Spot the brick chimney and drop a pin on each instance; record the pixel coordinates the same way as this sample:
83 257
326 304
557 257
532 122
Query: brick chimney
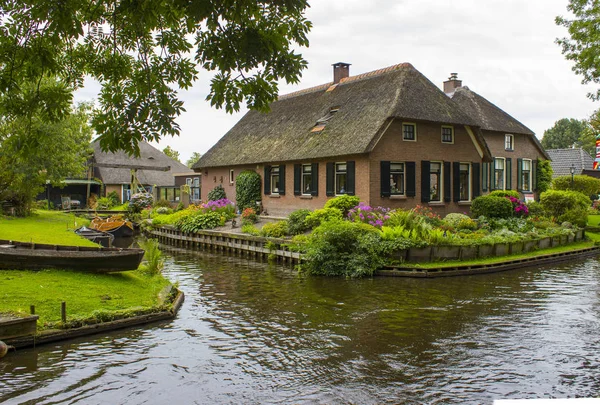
452 83
341 70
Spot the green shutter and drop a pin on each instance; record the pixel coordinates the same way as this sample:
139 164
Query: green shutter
411 181
447 182
350 178
534 164
267 180
297 179
282 179
314 187
485 176
385 178
425 181
456 180
476 180
508 168
330 179
519 174
493 174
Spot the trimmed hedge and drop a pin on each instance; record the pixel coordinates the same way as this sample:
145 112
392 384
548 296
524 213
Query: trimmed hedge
584 184
492 206
247 189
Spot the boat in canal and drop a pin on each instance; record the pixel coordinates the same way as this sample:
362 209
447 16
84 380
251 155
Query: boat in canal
34 256
102 238
116 225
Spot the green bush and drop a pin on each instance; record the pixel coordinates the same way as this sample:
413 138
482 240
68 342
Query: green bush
576 216
343 248
247 189
250 230
104 203
297 221
163 210
558 202
161 203
491 206
44 205
544 175
535 209
466 224
584 184
114 198
412 221
196 222
344 203
277 229
505 193
217 193
454 218
317 217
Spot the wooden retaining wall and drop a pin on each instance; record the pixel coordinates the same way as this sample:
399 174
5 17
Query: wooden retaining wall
240 244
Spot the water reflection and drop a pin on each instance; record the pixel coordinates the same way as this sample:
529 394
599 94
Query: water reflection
257 333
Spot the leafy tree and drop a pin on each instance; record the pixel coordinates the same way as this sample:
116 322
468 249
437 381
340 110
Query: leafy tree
172 153
543 175
583 46
193 159
565 133
141 53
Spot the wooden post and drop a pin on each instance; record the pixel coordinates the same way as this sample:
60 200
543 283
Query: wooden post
63 311
32 309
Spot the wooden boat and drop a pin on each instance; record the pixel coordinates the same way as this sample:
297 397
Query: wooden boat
34 256
102 238
116 225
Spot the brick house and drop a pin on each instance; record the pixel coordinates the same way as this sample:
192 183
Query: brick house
389 136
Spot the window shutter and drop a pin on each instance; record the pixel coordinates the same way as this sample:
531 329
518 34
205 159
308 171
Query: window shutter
425 181
447 176
385 178
456 180
485 176
267 180
297 179
282 179
411 182
476 180
508 174
519 174
350 177
493 174
330 179
534 164
315 179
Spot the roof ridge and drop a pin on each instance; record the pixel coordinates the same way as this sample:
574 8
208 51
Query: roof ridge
349 79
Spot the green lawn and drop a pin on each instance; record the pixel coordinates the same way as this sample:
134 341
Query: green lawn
593 220
85 294
52 227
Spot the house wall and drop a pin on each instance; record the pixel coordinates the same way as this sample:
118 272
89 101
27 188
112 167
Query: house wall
108 188
428 146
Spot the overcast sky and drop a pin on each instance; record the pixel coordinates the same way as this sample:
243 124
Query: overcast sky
504 50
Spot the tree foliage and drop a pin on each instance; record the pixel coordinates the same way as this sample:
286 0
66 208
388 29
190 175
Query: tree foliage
193 159
566 133
172 153
141 53
584 184
583 44
247 189
543 175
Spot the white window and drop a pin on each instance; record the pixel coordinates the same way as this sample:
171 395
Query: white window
307 179
275 179
447 134
498 174
409 131
188 181
464 181
397 178
526 174
231 178
509 142
196 182
435 181
341 172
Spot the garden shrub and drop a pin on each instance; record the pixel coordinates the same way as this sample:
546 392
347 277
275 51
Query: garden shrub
428 215
505 193
249 216
250 229
161 203
222 206
577 216
366 214
139 201
104 203
247 189
317 217
277 229
535 209
454 218
180 206
584 184
344 203
544 175
217 193
44 205
114 198
491 207
558 202
163 210
153 257
343 248
297 221
198 221
411 221
467 224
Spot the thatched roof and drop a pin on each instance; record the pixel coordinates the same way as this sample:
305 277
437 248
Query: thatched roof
562 159
149 156
365 104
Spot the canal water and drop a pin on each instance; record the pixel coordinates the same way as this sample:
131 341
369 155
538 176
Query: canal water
255 333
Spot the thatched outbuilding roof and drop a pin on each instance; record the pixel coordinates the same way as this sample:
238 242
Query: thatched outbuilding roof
353 113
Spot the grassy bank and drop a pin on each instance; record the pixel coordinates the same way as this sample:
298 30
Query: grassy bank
52 227
96 296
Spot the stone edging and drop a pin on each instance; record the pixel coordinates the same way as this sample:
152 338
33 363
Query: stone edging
54 335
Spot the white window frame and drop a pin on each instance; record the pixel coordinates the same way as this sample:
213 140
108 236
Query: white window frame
340 172
530 174
469 181
403 185
231 176
414 125
440 184
451 133
303 184
494 184
274 175
509 142
196 182
188 181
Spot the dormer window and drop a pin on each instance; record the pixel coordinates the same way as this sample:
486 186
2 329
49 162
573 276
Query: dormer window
321 122
509 142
